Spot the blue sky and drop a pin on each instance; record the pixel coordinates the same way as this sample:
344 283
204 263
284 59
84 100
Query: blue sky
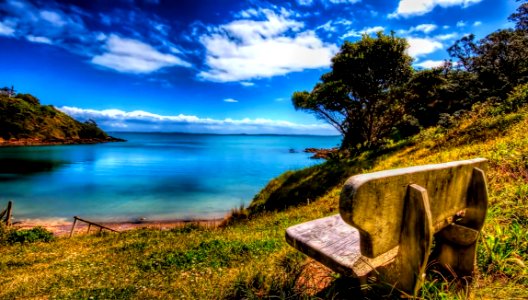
209 65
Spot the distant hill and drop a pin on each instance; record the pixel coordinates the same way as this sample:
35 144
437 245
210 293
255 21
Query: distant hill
24 121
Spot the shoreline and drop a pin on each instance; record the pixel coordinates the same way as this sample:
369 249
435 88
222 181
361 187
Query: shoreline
322 153
62 227
56 142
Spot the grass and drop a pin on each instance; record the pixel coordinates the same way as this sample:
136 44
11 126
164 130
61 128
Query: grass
248 258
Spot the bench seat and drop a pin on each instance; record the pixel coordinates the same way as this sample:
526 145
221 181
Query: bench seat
388 221
336 244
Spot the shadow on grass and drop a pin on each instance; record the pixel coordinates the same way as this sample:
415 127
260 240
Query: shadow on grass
301 279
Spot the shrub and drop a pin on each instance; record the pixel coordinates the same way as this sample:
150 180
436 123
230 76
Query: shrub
29 98
517 98
4 233
32 235
451 120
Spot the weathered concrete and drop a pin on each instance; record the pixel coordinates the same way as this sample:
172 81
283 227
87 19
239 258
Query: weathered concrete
394 215
336 244
373 203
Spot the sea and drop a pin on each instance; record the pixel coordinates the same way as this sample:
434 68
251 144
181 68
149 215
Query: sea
152 176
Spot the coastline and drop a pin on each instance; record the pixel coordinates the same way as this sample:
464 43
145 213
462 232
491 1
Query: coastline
62 227
322 153
55 142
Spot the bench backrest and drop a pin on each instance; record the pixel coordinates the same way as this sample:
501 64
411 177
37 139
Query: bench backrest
374 203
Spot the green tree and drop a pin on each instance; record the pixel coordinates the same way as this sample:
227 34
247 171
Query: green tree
520 18
360 97
498 60
430 93
90 130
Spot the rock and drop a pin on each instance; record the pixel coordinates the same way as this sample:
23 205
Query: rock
322 153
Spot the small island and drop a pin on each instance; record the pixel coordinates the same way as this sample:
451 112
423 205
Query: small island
25 122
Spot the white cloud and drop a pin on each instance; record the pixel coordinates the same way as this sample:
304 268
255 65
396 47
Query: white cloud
133 56
334 25
366 30
250 49
6 30
230 100
447 36
408 8
326 2
115 119
39 39
477 23
247 83
305 2
327 27
461 24
425 28
344 1
429 64
422 46
64 27
52 17
248 13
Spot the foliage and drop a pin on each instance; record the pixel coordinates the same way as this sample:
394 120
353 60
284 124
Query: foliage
372 96
13 236
4 233
499 59
517 98
359 96
520 17
23 117
237 215
432 94
89 129
28 98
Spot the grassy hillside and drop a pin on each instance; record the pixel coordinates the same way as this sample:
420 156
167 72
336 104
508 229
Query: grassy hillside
250 258
23 117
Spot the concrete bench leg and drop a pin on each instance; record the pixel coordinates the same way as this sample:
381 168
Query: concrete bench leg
416 239
457 243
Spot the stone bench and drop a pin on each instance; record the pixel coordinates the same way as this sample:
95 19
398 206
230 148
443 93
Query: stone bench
388 219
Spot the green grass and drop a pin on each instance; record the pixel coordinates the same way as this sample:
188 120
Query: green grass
249 257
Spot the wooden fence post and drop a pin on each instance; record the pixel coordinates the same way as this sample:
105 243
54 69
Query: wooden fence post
73 226
9 213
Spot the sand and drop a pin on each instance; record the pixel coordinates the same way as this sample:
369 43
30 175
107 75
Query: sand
62 227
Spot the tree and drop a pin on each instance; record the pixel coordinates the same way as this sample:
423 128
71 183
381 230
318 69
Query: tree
499 59
430 93
520 18
359 97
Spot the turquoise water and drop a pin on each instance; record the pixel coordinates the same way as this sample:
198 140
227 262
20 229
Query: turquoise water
153 176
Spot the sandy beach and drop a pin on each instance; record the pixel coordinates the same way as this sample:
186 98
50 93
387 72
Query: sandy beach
62 227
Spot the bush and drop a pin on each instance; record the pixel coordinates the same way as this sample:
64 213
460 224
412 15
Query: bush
451 120
90 130
36 234
29 98
517 98
4 233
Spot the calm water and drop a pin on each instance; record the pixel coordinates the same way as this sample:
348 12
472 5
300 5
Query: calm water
156 176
